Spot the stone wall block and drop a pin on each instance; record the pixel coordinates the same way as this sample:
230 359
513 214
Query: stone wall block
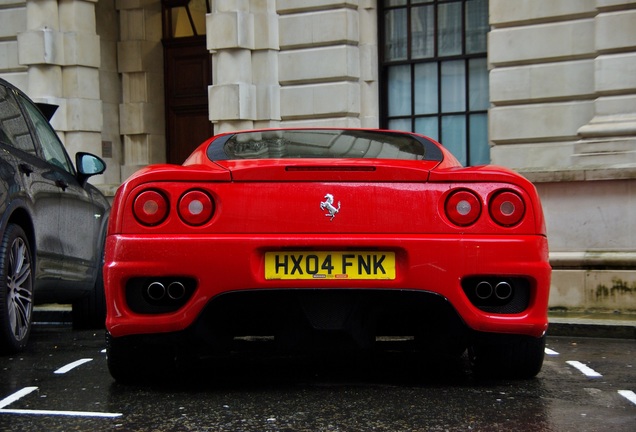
77 16
9 55
90 142
226 30
232 66
141 150
507 12
139 56
538 122
264 67
46 81
141 118
319 28
267 102
42 14
81 82
550 81
590 215
266 31
555 41
616 73
556 155
13 22
234 5
295 6
236 101
616 31
84 115
320 64
611 290
143 87
18 79
567 289
43 46
82 49
325 100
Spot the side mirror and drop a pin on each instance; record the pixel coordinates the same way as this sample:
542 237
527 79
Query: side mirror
88 165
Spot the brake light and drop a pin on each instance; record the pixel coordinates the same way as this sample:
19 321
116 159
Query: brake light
463 207
150 207
507 208
195 207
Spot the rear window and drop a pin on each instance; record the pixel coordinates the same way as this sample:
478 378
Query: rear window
322 144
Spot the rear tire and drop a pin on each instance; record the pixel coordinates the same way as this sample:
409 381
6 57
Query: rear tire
507 356
130 361
16 290
89 312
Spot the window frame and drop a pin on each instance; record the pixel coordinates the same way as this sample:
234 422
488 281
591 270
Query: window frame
386 65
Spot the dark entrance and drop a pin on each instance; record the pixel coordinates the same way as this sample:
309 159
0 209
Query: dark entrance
188 73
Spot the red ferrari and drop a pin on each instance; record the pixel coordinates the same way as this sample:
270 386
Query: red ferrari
321 239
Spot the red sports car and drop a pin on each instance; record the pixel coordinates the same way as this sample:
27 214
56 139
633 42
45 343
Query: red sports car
325 238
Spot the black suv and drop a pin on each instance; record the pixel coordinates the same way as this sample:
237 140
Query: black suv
52 222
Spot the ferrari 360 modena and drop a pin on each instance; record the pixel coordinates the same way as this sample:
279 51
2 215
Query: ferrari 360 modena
325 239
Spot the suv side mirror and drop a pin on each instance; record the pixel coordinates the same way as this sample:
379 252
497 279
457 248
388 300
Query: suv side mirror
88 165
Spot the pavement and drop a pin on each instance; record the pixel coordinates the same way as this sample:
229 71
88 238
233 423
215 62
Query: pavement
581 324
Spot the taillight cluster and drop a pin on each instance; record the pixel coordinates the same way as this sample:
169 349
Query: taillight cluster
194 207
463 207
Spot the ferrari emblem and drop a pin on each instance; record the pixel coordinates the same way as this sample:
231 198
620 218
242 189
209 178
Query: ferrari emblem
327 204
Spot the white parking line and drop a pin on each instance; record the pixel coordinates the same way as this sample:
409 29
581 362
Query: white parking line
587 371
629 395
548 351
15 396
61 413
27 390
73 365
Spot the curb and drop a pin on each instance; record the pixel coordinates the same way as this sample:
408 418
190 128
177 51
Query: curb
591 327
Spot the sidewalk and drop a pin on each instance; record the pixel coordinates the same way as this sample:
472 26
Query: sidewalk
600 325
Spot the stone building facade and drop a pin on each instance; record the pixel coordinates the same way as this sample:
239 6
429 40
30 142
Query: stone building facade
561 85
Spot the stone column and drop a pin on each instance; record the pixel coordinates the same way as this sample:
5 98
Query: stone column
62 51
140 63
610 137
243 38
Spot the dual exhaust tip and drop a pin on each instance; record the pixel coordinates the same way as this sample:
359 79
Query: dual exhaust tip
158 291
485 290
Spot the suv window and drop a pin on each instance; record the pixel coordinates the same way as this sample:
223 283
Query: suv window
14 130
52 147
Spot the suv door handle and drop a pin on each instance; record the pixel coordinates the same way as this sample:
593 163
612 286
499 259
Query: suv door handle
25 169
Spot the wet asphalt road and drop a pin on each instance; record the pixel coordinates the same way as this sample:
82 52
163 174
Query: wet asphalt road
391 392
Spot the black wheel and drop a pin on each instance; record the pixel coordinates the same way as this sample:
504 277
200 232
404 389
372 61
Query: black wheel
16 290
89 312
131 361
507 356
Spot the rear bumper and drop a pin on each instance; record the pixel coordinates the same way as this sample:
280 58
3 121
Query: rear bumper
230 263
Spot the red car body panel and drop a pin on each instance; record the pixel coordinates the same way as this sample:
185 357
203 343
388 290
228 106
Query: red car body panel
387 205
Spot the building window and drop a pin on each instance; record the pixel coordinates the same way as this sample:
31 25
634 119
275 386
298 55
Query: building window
434 72
184 18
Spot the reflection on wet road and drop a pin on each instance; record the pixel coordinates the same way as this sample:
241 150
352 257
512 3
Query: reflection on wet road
61 383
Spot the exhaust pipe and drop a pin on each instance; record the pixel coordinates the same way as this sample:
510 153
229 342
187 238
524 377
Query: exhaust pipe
483 290
503 290
156 291
176 290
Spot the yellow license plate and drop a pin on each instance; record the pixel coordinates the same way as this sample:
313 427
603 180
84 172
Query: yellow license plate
330 265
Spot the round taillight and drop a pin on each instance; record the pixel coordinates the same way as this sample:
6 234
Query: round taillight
463 208
507 208
195 207
150 207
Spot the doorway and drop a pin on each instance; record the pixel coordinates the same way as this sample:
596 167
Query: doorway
188 73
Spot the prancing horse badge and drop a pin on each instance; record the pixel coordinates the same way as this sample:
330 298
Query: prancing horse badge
327 204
